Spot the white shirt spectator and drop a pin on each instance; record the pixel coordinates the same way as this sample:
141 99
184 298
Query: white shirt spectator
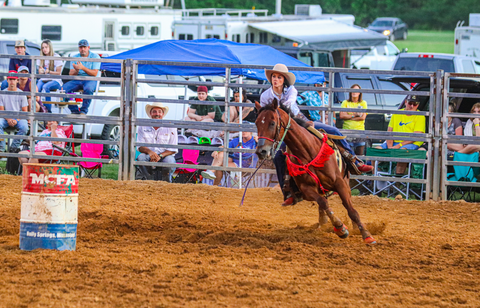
56 63
161 136
287 99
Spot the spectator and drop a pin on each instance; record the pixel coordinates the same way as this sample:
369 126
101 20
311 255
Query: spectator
472 128
203 113
160 135
248 113
355 120
454 127
83 69
49 67
15 64
316 99
13 103
403 123
44 147
248 142
24 84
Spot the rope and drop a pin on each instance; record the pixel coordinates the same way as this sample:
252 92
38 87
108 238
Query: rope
248 182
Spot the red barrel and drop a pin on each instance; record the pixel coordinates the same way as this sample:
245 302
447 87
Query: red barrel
50 179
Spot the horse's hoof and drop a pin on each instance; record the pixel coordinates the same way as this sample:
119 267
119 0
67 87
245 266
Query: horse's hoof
370 240
342 232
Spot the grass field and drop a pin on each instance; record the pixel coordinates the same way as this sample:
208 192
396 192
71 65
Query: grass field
428 41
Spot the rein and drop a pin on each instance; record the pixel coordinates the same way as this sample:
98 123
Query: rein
279 144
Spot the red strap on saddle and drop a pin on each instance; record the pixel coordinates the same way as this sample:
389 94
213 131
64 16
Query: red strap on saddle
319 161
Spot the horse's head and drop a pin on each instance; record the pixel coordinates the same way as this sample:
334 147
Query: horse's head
268 129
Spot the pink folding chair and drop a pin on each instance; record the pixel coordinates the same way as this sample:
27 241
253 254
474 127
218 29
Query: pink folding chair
188 175
91 150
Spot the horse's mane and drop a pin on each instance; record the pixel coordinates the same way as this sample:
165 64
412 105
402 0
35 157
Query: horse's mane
299 121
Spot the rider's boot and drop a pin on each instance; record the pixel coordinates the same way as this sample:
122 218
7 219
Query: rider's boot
356 165
291 192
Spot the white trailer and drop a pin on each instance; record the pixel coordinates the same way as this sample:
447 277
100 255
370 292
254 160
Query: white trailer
467 38
106 28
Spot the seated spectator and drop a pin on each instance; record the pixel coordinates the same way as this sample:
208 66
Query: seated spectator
203 113
403 123
316 99
44 147
83 69
248 142
13 103
45 85
248 113
15 64
24 84
163 136
454 127
472 128
355 120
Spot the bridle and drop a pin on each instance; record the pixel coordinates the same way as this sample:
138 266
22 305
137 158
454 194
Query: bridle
276 143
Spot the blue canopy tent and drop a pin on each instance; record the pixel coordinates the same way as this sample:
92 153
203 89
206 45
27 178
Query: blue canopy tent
211 51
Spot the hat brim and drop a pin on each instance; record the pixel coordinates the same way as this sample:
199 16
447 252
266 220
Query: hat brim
149 108
290 77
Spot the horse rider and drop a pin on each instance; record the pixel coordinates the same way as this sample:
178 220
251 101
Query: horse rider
283 90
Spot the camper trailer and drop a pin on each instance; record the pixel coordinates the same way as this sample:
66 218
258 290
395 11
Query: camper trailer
106 24
467 38
309 35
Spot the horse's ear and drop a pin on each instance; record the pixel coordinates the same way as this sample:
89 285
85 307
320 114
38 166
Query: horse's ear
257 106
275 103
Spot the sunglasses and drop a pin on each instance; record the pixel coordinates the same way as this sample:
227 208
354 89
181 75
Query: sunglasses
413 103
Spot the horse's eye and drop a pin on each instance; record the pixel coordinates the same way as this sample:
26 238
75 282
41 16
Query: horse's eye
272 123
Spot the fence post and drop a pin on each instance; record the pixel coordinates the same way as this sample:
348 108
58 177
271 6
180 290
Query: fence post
125 119
436 134
444 119
133 118
226 136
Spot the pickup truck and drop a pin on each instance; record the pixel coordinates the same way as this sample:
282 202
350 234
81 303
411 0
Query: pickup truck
430 62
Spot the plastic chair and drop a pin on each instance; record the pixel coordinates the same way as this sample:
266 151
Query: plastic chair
463 174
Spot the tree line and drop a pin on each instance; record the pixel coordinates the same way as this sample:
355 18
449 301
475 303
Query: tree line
418 14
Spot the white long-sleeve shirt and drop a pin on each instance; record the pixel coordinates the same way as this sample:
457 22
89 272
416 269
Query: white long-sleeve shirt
163 136
287 99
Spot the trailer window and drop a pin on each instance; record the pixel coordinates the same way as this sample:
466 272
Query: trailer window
125 30
263 37
140 31
154 30
252 37
189 37
53 33
9 26
181 37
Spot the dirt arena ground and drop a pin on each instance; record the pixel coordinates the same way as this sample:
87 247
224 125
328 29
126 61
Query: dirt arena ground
153 244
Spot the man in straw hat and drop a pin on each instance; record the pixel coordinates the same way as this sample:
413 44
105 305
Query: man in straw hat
284 91
14 65
163 136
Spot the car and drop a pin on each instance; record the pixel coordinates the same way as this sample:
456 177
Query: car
379 57
7 47
392 27
430 62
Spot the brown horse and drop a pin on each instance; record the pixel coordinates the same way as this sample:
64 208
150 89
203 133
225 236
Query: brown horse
273 125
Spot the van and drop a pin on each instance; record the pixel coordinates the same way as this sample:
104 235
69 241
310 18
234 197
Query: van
379 57
430 62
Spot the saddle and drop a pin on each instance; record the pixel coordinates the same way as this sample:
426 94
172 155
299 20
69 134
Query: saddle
331 143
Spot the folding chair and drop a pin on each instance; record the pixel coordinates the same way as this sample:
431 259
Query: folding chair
90 150
463 174
188 175
387 169
68 150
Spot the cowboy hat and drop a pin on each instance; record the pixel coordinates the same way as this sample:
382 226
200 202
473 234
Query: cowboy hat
280 69
149 107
